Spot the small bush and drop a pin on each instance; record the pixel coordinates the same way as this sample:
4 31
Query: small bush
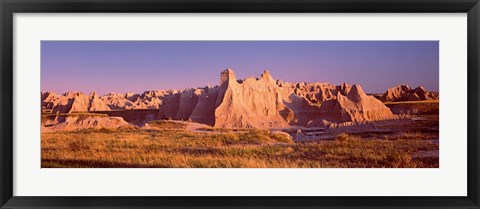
282 137
77 146
399 160
342 137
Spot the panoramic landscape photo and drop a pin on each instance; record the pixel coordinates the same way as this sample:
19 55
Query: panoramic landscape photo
240 104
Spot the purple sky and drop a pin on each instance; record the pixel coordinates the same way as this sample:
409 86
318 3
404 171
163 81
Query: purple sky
136 66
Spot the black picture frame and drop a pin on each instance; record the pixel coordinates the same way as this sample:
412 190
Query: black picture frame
9 7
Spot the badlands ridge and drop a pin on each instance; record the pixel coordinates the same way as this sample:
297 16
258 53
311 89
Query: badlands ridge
240 103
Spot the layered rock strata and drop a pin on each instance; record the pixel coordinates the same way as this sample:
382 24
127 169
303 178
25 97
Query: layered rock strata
247 103
403 92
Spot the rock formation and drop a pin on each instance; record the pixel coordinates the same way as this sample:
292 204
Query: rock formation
356 106
128 101
117 101
75 102
49 99
316 92
204 111
187 102
171 103
96 104
254 103
403 92
248 103
79 121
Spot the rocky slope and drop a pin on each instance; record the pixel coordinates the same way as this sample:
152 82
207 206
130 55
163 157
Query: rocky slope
403 92
247 103
80 121
72 102
356 106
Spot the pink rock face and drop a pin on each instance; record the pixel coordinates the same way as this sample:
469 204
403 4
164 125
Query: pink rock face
188 101
96 104
78 102
204 110
248 103
255 103
171 103
75 122
117 101
356 106
403 92
316 92
49 99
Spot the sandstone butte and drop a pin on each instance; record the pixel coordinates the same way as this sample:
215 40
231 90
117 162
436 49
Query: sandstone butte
246 103
403 92
73 102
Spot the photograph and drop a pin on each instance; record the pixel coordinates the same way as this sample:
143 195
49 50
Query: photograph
239 104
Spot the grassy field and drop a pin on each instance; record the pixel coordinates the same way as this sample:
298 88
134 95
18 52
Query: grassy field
429 107
78 114
174 148
414 102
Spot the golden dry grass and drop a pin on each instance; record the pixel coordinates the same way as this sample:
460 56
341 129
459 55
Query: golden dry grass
427 107
141 148
222 129
81 115
166 124
414 102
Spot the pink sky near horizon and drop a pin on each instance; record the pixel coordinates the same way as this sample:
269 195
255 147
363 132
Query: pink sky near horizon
137 66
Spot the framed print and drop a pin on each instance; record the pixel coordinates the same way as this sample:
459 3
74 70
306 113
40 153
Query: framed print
195 104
